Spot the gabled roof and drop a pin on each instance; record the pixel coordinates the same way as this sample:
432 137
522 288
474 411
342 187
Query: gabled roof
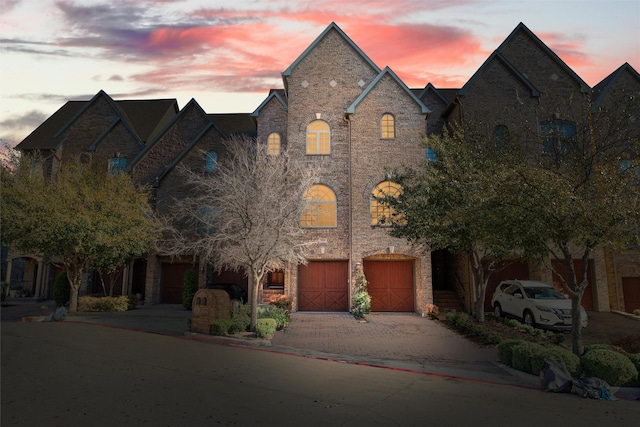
141 118
429 88
602 89
313 45
148 116
184 152
235 124
497 56
523 28
386 72
191 104
277 94
42 138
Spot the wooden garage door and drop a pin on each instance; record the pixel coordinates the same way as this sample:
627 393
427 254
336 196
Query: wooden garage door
631 292
323 286
173 282
390 285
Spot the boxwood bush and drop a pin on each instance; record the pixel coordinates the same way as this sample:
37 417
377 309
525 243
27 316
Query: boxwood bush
505 350
529 357
220 327
613 367
265 328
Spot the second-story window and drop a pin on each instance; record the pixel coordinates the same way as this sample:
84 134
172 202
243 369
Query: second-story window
320 207
381 212
388 126
273 144
318 138
557 136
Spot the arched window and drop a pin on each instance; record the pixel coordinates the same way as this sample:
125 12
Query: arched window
320 209
388 126
557 136
318 138
381 212
273 144
211 164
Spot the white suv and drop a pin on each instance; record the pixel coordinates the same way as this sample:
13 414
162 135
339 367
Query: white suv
535 303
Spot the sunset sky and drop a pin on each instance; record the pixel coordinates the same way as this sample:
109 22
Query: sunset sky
228 54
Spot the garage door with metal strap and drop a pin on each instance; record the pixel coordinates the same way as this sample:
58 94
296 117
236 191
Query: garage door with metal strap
323 286
390 285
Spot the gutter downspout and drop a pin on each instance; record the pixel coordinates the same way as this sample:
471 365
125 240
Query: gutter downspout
347 118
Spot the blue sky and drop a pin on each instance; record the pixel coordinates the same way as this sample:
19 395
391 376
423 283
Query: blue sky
227 55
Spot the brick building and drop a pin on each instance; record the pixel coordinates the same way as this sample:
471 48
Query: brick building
339 110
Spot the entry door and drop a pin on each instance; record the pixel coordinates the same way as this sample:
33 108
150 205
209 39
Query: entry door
173 282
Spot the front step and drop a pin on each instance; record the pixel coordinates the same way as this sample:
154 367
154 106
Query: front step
448 301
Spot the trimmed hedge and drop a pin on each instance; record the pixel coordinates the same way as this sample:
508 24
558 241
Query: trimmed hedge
505 350
613 367
529 357
90 303
265 328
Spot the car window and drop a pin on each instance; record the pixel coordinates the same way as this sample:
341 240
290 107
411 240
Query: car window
544 293
513 289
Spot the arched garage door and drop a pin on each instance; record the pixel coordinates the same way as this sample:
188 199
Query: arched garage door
323 286
390 285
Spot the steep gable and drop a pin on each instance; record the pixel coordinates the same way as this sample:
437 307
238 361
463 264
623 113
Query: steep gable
537 62
332 28
624 78
387 72
186 127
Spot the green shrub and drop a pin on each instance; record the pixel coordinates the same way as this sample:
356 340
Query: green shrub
635 359
469 327
240 319
132 301
361 298
61 289
278 314
529 357
505 350
591 347
220 327
90 303
284 302
613 367
265 328
189 288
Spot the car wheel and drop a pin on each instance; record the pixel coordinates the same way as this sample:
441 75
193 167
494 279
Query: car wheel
497 310
528 318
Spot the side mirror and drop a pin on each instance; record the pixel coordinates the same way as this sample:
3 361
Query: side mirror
518 295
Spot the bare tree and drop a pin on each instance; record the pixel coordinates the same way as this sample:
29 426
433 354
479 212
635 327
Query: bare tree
245 216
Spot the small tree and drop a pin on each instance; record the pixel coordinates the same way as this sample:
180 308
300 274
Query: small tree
582 194
455 202
245 216
361 298
75 217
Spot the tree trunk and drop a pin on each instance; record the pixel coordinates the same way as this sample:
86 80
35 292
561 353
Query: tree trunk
576 325
255 278
479 284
